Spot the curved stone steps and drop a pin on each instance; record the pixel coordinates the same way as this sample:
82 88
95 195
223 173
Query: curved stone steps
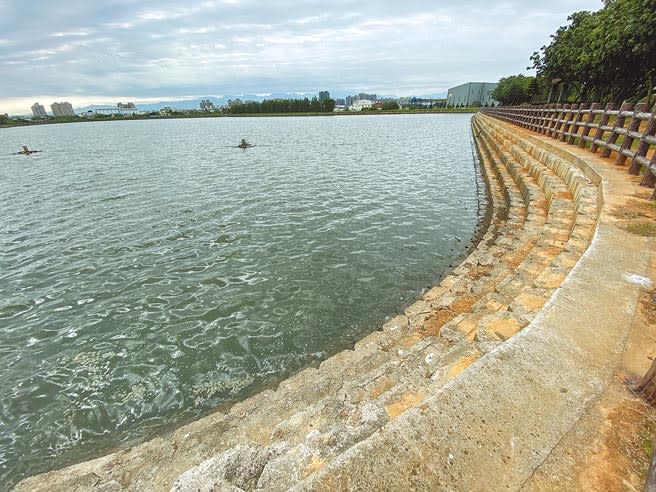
317 416
572 235
319 433
401 381
561 228
534 258
369 354
578 182
478 436
389 371
385 391
574 229
577 189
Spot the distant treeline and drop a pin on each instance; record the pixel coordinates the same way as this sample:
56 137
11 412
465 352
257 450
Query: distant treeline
283 106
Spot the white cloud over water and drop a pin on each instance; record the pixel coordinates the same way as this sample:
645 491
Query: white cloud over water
151 49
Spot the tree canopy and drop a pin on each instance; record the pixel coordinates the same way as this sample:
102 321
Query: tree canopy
284 106
608 55
390 104
516 89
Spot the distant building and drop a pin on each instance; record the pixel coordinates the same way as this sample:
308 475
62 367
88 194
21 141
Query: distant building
472 94
107 111
362 96
126 108
206 105
323 95
62 109
419 102
340 102
361 104
4 115
232 103
39 111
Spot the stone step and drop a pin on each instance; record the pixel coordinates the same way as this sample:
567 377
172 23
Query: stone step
318 434
429 363
579 193
576 179
547 273
539 264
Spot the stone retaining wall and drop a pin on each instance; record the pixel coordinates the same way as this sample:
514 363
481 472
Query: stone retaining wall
469 389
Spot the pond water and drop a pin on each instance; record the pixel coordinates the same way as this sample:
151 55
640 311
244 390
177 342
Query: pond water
151 270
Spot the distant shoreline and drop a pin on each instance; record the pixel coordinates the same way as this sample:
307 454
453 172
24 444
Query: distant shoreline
196 115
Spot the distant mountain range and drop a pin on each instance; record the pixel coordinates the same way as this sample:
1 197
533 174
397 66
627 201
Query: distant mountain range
195 103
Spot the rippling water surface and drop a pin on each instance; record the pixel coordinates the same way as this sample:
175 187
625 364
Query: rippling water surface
149 271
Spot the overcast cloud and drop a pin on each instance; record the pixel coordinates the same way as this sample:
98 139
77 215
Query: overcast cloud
95 51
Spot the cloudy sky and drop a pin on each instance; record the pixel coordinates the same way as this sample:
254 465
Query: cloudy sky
102 51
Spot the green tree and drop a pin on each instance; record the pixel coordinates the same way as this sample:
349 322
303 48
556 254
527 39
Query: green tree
533 88
390 104
283 106
328 105
513 90
608 55
315 105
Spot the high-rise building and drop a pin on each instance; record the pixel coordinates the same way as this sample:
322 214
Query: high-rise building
129 105
323 95
62 109
206 105
39 111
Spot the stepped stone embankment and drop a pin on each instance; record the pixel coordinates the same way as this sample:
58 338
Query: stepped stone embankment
468 390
